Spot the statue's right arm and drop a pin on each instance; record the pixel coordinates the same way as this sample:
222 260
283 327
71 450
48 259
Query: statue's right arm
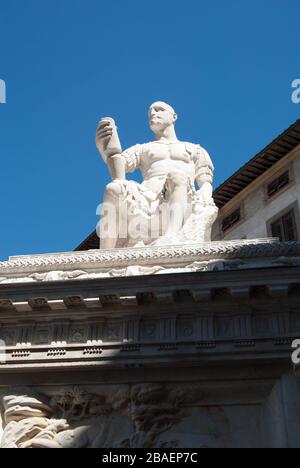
132 157
116 166
108 144
122 163
127 161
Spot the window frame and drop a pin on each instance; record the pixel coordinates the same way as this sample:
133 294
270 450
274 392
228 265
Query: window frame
233 226
288 168
278 217
278 189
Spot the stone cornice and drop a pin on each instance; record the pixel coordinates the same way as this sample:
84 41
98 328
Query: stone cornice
162 256
150 321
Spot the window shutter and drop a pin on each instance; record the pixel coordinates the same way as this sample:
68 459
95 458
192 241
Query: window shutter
278 184
231 220
277 230
285 227
289 226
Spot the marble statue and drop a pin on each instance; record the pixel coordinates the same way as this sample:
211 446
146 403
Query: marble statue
166 208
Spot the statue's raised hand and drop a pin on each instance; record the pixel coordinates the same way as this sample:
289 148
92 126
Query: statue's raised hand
107 139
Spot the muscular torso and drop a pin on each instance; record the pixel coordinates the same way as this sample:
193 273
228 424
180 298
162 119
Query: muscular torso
159 159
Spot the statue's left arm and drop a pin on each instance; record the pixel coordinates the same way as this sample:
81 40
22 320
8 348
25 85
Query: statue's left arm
204 169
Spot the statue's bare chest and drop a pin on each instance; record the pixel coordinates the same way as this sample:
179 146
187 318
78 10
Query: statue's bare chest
160 152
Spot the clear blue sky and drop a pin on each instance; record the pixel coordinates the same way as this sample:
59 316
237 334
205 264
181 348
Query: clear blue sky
226 66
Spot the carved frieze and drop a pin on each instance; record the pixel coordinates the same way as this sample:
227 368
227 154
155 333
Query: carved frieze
112 340
71 417
212 256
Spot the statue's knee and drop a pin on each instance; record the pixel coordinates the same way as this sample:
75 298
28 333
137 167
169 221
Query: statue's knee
177 179
114 189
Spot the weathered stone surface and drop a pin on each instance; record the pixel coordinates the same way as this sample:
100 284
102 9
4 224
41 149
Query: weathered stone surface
95 264
196 359
208 414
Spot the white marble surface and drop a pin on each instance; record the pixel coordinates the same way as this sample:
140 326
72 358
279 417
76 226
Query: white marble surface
210 256
166 208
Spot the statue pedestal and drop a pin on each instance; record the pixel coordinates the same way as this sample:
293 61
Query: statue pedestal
102 346
97 264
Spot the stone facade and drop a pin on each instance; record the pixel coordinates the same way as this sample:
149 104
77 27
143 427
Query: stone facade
258 210
174 359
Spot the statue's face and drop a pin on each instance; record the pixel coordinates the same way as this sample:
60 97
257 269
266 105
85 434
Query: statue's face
161 116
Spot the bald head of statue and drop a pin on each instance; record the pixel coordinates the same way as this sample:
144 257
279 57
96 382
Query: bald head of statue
161 116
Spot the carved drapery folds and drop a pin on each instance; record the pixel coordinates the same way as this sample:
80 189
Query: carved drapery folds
29 421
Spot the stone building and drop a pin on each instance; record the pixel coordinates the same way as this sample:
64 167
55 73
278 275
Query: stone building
183 346
262 198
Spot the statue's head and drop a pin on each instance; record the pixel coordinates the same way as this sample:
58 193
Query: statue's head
161 116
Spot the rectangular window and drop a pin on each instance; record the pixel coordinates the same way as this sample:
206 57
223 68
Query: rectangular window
231 220
285 227
278 184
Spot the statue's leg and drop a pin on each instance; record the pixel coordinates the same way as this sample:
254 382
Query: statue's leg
112 216
177 184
